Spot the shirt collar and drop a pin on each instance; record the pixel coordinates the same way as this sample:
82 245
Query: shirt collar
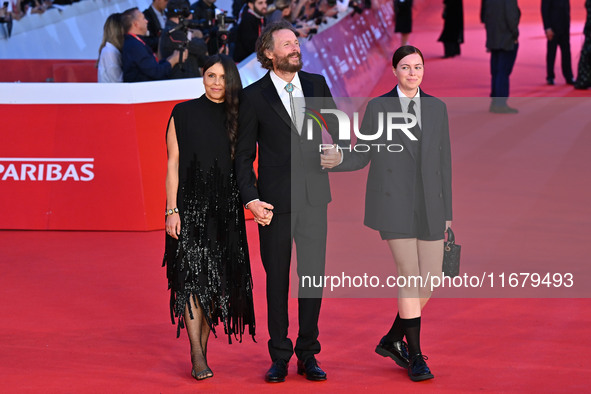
405 101
280 83
159 13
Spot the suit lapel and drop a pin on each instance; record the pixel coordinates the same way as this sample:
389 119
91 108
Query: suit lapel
427 112
270 94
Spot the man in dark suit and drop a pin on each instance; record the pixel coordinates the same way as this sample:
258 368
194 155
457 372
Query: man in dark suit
249 28
501 19
139 62
556 18
156 18
289 199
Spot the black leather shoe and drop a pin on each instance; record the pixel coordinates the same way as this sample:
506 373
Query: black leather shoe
550 81
418 369
396 350
311 369
277 372
570 81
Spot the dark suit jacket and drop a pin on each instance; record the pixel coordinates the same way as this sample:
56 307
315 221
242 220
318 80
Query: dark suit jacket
289 172
246 35
154 28
556 16
139 63
501 19
389 198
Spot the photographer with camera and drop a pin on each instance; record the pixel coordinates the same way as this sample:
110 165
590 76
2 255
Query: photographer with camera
138 60
180 33
252 21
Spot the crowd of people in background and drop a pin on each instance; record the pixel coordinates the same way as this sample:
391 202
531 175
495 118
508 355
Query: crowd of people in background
18 9
176 29
176 37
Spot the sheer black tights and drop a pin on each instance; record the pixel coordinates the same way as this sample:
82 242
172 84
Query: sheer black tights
198 332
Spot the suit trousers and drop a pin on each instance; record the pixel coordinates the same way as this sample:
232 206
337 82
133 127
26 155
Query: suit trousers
564 43
501 65
307 228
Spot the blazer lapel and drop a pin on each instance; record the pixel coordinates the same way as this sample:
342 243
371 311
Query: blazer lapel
427 121
270 94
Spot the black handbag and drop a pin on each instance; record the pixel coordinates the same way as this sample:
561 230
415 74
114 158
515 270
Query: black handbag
451 255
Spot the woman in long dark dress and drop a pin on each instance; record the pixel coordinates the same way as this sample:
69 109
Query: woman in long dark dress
453 27
403 19
408 200
206 254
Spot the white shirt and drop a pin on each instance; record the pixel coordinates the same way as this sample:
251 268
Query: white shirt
109 67
405 101
161 17
298 97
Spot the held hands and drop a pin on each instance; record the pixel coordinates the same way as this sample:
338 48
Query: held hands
173 225
330 157
262 212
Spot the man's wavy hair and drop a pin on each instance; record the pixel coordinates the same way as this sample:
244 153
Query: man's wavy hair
265 41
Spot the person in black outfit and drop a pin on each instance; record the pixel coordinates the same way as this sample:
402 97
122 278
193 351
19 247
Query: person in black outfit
453 27
6 17
156 17
403 19
169 42
556 18
290 197
408 200
584 72
249 28
206 253
501 20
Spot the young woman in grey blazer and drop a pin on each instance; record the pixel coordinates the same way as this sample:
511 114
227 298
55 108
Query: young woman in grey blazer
408 198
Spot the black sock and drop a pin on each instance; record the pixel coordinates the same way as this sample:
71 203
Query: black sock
396 333
412 330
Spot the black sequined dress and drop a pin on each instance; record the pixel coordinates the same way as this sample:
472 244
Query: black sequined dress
210 259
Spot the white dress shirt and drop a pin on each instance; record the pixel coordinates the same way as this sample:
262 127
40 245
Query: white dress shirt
161 17
405 101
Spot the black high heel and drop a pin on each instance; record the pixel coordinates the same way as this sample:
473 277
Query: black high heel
202 375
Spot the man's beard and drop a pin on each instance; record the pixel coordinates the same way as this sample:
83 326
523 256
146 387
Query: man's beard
283 63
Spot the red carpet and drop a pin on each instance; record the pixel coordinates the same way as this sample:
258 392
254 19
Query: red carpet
88 311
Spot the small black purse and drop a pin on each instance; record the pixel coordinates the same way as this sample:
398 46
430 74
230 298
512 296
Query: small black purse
451 255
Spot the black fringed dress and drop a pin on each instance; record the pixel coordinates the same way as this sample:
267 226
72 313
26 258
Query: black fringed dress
210 260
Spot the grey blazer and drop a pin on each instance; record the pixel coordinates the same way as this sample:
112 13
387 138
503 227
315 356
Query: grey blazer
389 198
501 19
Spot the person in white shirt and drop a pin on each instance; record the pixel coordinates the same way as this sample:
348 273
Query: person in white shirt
109 61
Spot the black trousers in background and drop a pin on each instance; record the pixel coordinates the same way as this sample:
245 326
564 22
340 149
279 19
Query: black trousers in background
564 43
501 66
307 228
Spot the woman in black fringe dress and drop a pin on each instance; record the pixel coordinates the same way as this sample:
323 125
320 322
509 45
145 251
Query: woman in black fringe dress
206 254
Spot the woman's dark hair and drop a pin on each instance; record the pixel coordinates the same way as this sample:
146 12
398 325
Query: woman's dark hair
403 52
233 87
265 41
